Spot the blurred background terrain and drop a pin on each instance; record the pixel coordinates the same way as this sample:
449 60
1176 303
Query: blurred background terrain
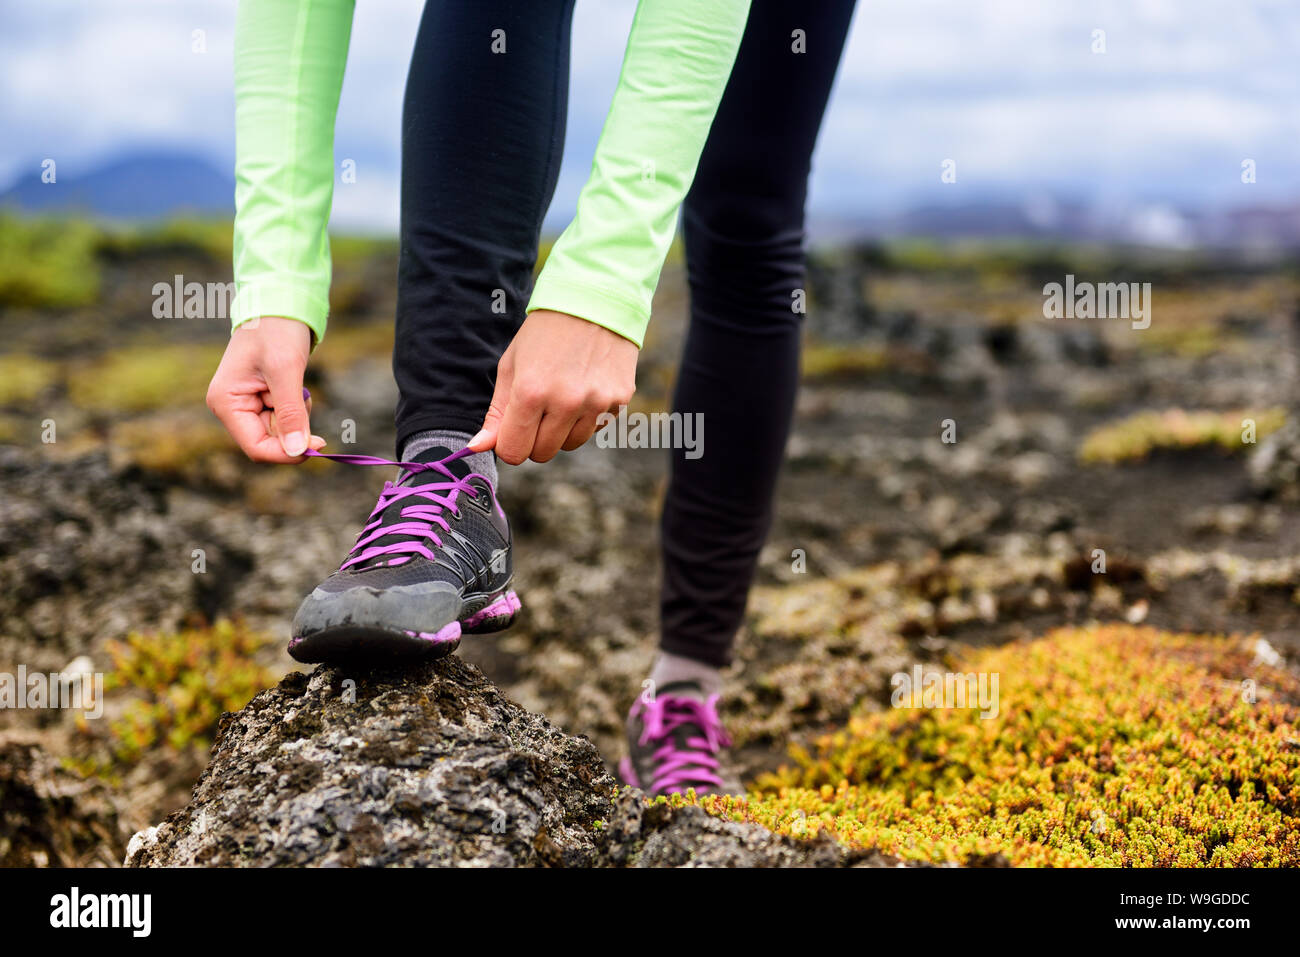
891 547
136 541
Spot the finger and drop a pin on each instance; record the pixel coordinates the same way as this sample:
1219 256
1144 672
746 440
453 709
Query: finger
518 430
582 430
270 402
267 416
272 424
288 399
487 436
551 434
241 414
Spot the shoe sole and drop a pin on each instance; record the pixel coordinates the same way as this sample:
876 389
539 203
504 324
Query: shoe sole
376 645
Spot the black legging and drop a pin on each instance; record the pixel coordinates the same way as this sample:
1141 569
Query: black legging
482 137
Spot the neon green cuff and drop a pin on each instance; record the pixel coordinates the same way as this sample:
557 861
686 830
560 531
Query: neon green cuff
601 306
290 300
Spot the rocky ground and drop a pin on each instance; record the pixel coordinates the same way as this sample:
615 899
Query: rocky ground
433 767
891 547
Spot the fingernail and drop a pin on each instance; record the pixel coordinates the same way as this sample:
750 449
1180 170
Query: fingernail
482 434
295 443
305 394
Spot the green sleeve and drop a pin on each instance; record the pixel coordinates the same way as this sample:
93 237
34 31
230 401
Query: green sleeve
289 60
606 264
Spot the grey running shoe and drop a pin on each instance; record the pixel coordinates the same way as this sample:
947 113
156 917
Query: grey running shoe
432 563
675 741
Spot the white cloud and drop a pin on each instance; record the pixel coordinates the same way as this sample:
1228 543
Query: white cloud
1011 89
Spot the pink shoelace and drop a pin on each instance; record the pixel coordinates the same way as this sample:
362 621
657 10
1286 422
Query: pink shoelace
695 765
424 513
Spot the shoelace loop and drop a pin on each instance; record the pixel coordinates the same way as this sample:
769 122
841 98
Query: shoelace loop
425 515
677 768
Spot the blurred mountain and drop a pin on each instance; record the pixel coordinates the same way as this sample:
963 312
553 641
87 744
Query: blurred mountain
1048 218
136 185
157 184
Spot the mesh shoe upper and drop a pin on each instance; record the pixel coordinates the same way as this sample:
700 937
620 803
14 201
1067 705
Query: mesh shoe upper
436 538
675 741
440 524
464 554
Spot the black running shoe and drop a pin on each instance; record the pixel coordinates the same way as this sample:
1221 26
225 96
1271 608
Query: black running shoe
432 563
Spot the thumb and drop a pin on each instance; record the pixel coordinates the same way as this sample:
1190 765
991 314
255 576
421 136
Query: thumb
487 436
288 400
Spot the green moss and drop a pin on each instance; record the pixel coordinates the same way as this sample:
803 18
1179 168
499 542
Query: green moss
345 343
145 378
211 238
11 429
1006 258
183 448
180 684
348 251
24 378
1134 438
1113 746
836 361
1195 341
214 239
47 263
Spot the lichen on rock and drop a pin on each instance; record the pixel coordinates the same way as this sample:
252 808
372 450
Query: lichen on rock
426 767
431 767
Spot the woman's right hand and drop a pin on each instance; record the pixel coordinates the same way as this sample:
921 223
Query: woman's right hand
257 390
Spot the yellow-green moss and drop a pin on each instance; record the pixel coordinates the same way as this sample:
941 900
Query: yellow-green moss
832 361
345 343
1194 341
185 447
180 684
11 429
1114 746
47 263
210 237
23 378
354 250
144 378
1134 438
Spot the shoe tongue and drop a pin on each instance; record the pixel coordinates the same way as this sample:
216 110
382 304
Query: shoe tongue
684 732
393 514
459 468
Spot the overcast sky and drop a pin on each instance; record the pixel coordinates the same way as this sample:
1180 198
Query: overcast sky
1010 89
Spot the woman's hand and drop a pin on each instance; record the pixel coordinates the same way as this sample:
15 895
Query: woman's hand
257 390
559 374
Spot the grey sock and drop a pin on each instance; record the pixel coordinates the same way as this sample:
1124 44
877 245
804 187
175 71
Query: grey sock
484 463
669 668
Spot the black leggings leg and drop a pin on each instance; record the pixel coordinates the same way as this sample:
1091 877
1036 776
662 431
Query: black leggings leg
744 227
482 137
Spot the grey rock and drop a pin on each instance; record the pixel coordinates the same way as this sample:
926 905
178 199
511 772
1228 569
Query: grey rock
432 767
88 549
1274 466
53 817
425 767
